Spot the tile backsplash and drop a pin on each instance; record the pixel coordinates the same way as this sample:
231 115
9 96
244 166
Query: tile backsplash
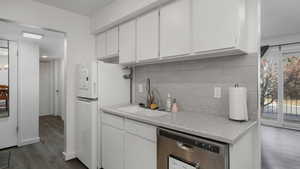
192 83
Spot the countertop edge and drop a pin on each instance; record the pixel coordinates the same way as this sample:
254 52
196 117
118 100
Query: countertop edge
196 133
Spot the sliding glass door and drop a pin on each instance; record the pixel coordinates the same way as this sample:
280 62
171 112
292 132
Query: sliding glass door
280 87
291 87
269 85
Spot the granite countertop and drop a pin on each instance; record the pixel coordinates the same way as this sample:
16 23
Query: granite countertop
199 124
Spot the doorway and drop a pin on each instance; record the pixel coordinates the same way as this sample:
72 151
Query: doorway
23 48
8 94
50 88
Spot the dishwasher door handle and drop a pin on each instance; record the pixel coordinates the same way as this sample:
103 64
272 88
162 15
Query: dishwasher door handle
184 146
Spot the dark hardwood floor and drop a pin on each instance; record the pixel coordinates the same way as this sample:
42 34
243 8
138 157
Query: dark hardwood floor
48 153
280 148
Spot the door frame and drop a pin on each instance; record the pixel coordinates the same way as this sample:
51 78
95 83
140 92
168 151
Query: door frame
64 85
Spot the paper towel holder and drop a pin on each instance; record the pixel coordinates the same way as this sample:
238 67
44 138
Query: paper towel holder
238 103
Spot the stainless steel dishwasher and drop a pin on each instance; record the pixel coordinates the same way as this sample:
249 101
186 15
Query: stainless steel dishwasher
182 151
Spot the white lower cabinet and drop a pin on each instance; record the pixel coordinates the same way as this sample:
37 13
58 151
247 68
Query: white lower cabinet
127 144
139 152
112 147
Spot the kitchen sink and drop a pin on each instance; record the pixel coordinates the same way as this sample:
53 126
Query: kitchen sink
137 110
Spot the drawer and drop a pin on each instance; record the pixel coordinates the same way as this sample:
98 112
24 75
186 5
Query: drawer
112 120
141 129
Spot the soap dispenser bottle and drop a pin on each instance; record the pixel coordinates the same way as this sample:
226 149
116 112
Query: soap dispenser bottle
169 103
174 106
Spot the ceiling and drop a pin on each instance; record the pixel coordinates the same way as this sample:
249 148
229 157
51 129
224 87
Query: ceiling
51 45
82 7
280 17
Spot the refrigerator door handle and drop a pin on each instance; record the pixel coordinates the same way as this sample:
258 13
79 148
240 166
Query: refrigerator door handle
86 99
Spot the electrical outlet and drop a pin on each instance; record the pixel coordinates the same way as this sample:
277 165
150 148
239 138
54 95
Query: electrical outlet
141 88
217 92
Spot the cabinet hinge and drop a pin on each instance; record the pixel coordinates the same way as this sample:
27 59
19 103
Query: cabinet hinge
17 129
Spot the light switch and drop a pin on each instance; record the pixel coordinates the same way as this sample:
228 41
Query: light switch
217 92
141 88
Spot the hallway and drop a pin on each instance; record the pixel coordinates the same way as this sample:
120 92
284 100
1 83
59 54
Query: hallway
280 148
48 153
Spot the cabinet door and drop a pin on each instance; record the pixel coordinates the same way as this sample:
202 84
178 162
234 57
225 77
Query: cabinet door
139 153
217 28
112 42
175 28
128 42
148 36
101 45
112 148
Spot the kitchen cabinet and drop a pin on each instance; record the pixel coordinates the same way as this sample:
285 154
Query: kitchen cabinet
112 142
112 42
127 144
101 46
140 145
139 153
180 30
217 24
175 28
127 37
148 37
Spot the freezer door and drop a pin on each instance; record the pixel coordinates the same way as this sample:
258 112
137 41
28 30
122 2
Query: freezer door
86 132
113 88
87 80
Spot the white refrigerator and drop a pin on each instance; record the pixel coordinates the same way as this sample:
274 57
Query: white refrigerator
99 84
86 114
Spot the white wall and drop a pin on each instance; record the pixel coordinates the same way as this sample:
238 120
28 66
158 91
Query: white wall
28 92
80 47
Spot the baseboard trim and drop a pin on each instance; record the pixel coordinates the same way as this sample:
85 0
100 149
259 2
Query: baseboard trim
30 141
69 155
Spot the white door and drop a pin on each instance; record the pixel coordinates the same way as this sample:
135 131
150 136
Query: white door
8 125
58 78
86 132
175 28
45 88
148 36
127 46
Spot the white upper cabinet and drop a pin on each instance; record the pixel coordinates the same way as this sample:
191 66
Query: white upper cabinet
112 42
175 28
127 42
216 24
148 36
179 30
101 45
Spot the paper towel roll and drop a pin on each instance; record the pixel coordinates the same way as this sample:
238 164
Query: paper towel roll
238 103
